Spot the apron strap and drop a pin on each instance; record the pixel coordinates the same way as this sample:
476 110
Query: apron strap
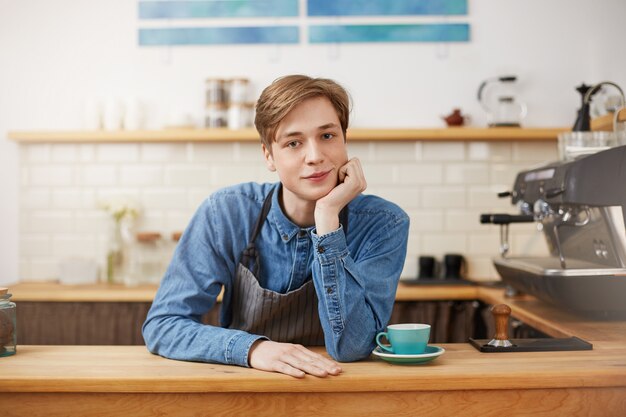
250 252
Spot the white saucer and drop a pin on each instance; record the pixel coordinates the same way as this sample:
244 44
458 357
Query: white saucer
432 352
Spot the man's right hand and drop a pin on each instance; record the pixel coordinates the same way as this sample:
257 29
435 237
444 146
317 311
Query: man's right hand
290 359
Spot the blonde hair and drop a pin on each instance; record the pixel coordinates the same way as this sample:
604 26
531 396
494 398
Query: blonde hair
285 93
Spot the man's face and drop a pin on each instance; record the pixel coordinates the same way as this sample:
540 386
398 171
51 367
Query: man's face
308 151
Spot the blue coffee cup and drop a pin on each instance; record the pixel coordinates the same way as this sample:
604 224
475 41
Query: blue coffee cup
405 339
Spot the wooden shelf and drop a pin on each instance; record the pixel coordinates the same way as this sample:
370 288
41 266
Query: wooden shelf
249 135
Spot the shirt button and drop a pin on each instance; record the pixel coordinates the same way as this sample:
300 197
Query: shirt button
302 233
285 237
320 249
329 290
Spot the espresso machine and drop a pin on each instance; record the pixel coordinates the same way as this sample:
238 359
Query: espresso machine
580 206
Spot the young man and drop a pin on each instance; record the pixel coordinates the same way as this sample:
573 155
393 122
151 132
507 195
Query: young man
306 261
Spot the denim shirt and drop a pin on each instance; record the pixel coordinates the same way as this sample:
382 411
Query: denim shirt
355 276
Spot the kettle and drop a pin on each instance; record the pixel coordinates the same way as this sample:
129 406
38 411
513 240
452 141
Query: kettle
497 97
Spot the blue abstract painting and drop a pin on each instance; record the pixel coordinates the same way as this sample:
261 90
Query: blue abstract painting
385 7
217 9
444 32
219 35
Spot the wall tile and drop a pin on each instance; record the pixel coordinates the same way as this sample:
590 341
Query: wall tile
464 220
86 152
48 221
73 198
394 151
426 220
467 174
413 252
379 174
438 151
211 152
51 175
166 198
481 269
177 221
163 152
486 197
198 195
97 175
44 269
64 153
34 197
114 152
493 152
223 175
484 243
506 173
441 243
73 246
151 221
188 175
420 173
141 175
34 245
35 153
362 150
91 221
535 151
405 197
248 151
443 197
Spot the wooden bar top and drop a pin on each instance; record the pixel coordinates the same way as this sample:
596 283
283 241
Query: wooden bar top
461 367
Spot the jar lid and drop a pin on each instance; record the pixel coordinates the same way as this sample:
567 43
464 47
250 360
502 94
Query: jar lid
3 290
240 80
218 80
176 236
148 236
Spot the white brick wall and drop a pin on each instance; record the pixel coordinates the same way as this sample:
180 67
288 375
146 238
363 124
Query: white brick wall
443 187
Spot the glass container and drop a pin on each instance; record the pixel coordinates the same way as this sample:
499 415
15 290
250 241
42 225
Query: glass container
216 115
149 258
8 324
215 91
238 91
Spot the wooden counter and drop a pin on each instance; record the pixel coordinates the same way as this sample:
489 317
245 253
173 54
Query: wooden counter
55 292
127 380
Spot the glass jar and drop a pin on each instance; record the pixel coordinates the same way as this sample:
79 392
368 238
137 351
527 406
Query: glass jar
238 90
149 265
215 91
8 324
239 115
216 115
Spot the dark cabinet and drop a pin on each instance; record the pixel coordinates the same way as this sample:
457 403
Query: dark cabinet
119 323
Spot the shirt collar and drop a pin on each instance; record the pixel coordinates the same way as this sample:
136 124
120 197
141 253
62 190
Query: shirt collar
286 227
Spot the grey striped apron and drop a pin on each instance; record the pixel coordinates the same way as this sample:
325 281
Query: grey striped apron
290 317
